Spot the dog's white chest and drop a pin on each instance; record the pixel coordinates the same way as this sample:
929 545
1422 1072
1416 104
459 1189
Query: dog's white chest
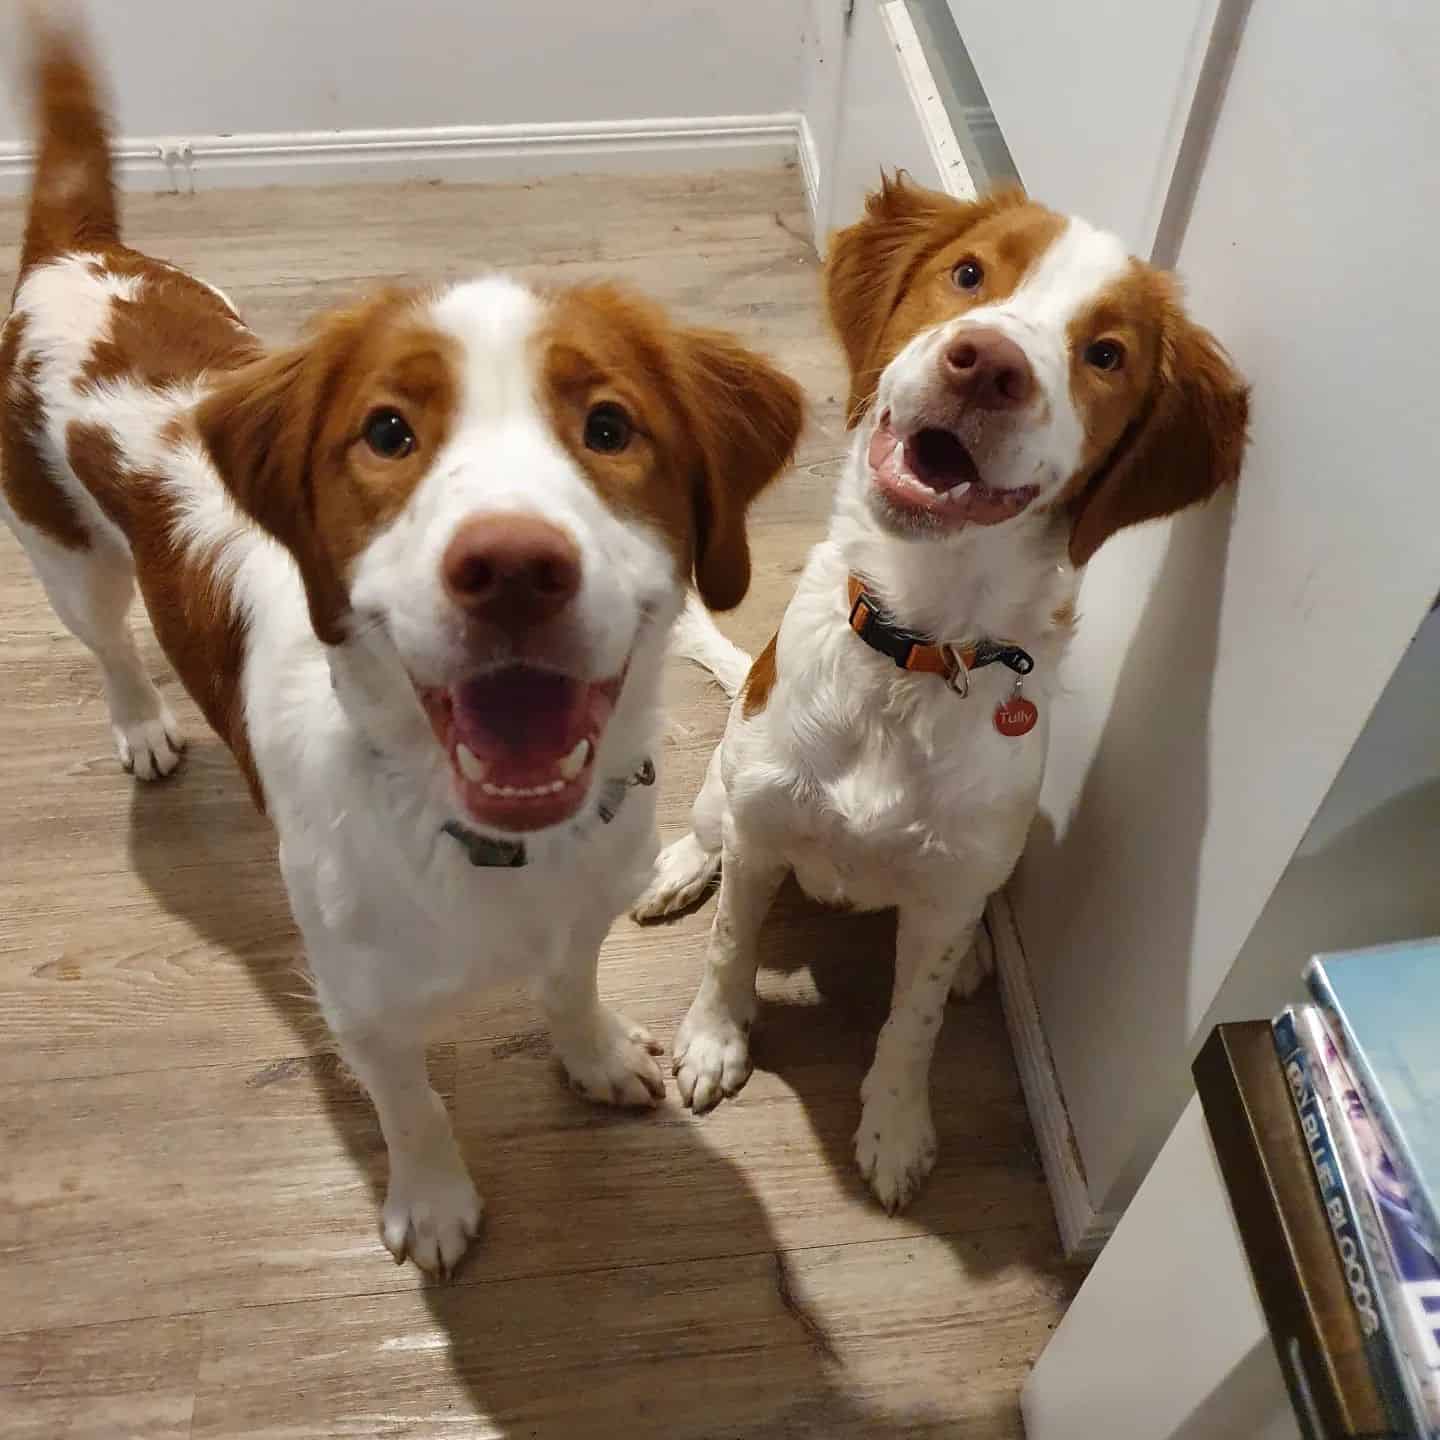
898 808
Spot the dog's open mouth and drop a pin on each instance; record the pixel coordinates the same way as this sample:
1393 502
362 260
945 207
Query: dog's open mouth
521 742
931 475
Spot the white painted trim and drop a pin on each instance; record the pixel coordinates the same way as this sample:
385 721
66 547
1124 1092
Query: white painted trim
809 158
1083 1230
934 119
453 152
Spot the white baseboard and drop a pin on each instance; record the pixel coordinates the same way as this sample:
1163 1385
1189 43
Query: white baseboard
453 152
1083 1229
808 154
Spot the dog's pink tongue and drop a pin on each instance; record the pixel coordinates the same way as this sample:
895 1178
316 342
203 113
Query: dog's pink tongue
519 714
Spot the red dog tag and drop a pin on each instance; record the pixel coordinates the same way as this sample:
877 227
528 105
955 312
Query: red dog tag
1016 716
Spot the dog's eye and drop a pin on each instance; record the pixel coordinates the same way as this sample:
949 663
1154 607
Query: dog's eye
607 429
388 435
1105 354
967 275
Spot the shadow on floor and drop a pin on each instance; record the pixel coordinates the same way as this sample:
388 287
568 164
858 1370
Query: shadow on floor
618 1335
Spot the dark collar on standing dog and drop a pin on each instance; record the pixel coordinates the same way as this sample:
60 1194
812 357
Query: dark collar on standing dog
491 853
916 652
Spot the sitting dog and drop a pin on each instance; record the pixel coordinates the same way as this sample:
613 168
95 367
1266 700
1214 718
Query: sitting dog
418 572
1020 390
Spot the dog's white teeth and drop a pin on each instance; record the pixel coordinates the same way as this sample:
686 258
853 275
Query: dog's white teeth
489 789
960 491
471 766
574 762
556 786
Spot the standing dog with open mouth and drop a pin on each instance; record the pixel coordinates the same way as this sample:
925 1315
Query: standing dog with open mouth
1021 389
418 573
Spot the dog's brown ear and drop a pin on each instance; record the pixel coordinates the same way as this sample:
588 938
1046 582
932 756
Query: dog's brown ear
745 417
1187 445
870 262
263 427
259 426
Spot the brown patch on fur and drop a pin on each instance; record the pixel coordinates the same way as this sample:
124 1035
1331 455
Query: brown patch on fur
889 276
173 330
25 477
191 607
1063 616
714 424
755 693
286 434
1165 431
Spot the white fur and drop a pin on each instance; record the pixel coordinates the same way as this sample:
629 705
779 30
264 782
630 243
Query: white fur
880 788
397 923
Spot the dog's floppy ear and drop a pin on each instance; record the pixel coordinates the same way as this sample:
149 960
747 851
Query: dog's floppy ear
1187 444
263 427
870 262
745 417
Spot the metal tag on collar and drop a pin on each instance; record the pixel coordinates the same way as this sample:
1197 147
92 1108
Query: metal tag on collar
1012 657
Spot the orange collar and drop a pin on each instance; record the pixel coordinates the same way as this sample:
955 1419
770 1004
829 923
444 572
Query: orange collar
913 651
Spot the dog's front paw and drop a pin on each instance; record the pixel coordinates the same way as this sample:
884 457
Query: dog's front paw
611 1060
149 747
895 1146
712 1055
432 1213
683 872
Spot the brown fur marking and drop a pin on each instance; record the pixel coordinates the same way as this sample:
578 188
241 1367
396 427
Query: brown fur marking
174 329
755 693
888 276
191 608
286 435
25 476
1164 430
1168 429
714 425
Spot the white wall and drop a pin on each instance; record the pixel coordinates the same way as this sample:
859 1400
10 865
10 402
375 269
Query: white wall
1093 99
181 68
1366 871
1225 665
1166 1339
861 118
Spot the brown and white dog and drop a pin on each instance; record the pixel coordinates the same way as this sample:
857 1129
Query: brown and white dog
418 572
1021 389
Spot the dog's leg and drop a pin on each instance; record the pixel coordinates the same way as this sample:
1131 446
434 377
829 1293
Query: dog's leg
895 1144
977 963
432 1210
91 591
712 1046
685 868
608 1058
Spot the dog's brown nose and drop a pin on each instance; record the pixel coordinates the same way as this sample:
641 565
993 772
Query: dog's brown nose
989 369
512 570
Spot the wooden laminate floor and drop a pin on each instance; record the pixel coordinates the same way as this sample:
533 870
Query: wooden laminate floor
188 1187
